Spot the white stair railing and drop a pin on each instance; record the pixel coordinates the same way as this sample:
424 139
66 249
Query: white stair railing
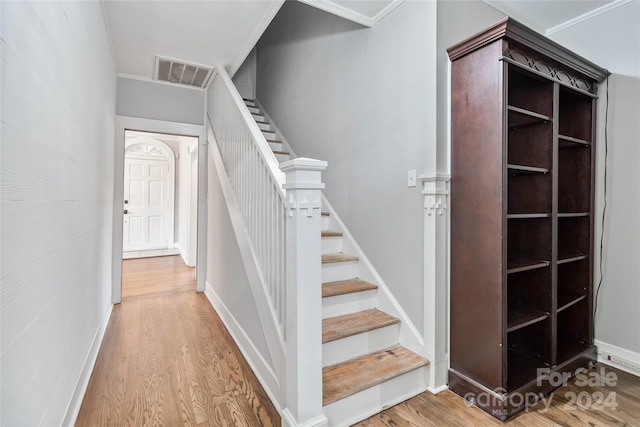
257 182
282 217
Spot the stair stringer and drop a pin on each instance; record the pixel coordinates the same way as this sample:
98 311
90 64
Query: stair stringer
385 301
285 143
371 401
273 381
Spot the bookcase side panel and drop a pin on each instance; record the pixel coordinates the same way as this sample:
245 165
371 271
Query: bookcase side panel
477 216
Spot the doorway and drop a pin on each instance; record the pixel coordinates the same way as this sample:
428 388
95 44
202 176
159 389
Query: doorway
160 193
159 165
149 195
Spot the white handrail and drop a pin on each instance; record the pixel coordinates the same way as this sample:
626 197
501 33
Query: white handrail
281 212
257 182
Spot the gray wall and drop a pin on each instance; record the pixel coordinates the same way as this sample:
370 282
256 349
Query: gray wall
354 96
226 273
157 101
612 40
245 78
457 20
58 100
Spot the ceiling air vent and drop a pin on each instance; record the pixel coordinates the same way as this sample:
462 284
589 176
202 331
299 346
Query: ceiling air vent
181 72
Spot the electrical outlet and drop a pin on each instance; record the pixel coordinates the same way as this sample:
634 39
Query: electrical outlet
623 364
411 178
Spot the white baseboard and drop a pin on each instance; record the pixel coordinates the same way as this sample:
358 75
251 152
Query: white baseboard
73 409
262 370
440 389
618 357
289 421
185 255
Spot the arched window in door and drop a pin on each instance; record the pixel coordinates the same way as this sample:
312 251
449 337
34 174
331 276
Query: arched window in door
145 150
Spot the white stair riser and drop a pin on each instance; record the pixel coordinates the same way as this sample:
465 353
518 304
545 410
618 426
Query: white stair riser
324 222
348 303
276 146
282 157
264 126
360 344
334 271
254 110
332 244
366 403
258 117
269 135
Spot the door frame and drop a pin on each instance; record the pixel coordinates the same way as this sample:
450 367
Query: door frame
171 161
122 124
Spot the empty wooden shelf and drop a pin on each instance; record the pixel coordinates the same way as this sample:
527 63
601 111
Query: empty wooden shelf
523 153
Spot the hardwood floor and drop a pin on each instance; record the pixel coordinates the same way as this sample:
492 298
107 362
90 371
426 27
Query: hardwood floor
167 359
571 405
154 276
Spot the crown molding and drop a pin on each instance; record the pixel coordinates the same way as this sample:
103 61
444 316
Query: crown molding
351 15
586 16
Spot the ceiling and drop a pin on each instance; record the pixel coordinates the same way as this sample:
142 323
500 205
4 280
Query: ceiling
547 16
223 32
205 32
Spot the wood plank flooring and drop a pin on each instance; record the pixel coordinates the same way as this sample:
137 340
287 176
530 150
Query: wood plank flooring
154 276
571 405
167 359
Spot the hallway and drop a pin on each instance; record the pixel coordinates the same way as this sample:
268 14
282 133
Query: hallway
167 359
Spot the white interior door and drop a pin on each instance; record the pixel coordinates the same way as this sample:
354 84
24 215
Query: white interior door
147 204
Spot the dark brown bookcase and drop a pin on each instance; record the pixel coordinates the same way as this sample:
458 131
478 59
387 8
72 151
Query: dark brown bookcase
523 138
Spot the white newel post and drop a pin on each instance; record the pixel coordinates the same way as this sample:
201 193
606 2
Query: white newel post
304 293
435 189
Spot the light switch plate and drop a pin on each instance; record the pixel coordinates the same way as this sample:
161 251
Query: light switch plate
411 178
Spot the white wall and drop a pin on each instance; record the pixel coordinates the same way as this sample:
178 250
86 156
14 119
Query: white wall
58 98
158 101
187 198
360 98
612 40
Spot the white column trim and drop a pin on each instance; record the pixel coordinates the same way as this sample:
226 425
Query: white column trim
435 190
303 293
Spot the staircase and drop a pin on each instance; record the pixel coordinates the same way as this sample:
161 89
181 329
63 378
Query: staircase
268 131
365 370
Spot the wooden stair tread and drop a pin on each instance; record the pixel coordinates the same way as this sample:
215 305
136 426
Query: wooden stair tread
338 257
352 376
342 287
275 141
286 153
329 233
335 328
325 213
